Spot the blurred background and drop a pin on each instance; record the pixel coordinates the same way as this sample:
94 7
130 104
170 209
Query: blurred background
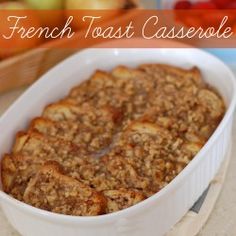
228 55
24 61
56 19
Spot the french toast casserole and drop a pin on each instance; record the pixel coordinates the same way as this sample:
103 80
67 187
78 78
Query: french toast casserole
113 141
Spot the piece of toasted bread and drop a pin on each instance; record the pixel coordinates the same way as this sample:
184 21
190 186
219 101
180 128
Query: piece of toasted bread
125 73
85 91
21 140
105 89
41 125
173 74
101 89
142 133
51 190
124 88
38 146
62 111
212 102
91 138
8 170
90 129
18 168
121 199
27 142
125 170
134 80
16 171
145 127
41 148
145 157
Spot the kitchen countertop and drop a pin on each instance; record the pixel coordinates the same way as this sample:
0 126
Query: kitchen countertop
222 219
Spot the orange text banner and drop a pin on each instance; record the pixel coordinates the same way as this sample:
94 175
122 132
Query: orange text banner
24 29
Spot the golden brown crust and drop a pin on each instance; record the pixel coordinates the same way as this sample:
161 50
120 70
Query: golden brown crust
120 136
147 157
173 74
102 89
21 139
88 138
16 173
89 129
36 144
8 169
121 199
100 79
39 149
61 111
51 190
123 88
212 102
41 125
85 114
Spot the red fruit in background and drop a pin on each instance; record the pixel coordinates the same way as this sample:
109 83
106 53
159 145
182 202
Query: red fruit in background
234 29
215 18
221 3
183 5
231 5
193 21
204 5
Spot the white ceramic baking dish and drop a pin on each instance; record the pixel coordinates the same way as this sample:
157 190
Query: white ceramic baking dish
156 215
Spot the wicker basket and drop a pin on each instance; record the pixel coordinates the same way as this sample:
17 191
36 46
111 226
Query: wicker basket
25 68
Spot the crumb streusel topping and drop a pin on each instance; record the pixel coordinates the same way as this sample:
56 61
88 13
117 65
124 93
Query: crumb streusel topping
115 140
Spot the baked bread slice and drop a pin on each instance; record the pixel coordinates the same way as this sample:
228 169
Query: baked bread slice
92 138
135 79
192 114
124 169
85 114
8 170
123 88
120 78
102 89
121 199
53 191
213 103
87 90
147 157
183 97
42 149
16 171
134 156
36 144
31 150
175 75
89 128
